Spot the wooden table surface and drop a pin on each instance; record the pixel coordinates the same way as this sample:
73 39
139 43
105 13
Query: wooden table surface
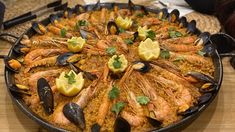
218 117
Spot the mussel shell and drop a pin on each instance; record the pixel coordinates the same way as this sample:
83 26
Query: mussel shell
202 77
131 5
45 95
68 13
74 113
135 36
189 111
95 127
79 9
15 89
53 18
210 89
97 6
204 98
154 122
145 68
6 60
232 62
174 15
121 125
191 28
17 49
35 26
163 14
110 25
209 49
183 22
203 38
84 34
62 59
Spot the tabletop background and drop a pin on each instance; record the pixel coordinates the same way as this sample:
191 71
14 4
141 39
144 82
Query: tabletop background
218 117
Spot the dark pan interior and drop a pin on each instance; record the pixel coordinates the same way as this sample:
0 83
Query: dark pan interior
9 78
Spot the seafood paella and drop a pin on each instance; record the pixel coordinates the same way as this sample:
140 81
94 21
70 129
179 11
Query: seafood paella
114 69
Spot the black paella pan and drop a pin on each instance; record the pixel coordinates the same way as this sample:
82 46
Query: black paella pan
218 75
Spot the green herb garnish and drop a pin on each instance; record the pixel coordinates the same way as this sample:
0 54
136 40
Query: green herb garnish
143 100
63 32
111 50
82 23
114 93
201 53
117 63
151 34
71 78
140 15
165 54
116 108
121 30
174 34
128 41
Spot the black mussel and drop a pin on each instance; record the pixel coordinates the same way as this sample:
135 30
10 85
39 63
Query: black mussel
45 95
183 22
204 98
174 16
53 18
131 5
97 6
79 9
12 64
74 113
145 11
85 34
135 36
21 49
232 62
112 28
209 49
62 59
68 13
223 42
39 28
95 127
203 38
121 125
189 111
19 90
141 66
163 14
87 75
191 28
154 122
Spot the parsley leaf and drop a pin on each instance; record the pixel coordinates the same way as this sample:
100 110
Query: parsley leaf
71 78
151 34
121 30
116 108
201 53
80 23
117 64
128 41
114 93
63 32
143 100
111 50
165 54
174 34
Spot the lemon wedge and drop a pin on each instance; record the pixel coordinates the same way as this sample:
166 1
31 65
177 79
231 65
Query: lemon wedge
123 23
69 84
143 32
149 50
117 63
76 44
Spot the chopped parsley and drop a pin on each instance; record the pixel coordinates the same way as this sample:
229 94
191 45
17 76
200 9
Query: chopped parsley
117 63
201 53
116 108
71 78
111 50
114 93
80 23
63 32
143 100
151 34
128 41
121 30
165 54
173 33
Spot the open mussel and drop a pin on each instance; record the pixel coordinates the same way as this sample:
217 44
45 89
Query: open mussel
204 98
95 127
53 18
20 89
85 34
79 9
74 113
87 75
208 83
39 28
68 13
112 28
12 64
203 38
163 14
141 66
121 125
191 28
62 59
45 95
20 49
155 123
189 111
131 5
174 16
183 22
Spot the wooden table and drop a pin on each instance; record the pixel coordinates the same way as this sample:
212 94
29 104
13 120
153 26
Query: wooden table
219 116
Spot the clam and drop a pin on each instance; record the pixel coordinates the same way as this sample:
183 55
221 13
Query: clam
39 28
87 75
183 22
174 16
189 111
95 127
74 113
45 95
121 125
141 66
112 28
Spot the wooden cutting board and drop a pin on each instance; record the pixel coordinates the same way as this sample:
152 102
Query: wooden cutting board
218 117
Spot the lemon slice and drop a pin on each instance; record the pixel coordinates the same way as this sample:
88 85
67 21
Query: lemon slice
149 50
143 32
69 84
76 44
117 64
123 23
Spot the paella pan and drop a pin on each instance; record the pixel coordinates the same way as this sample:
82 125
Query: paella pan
113 67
